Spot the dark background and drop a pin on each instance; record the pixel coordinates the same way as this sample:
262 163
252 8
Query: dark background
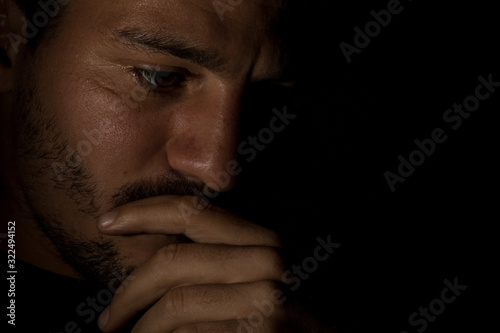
324 175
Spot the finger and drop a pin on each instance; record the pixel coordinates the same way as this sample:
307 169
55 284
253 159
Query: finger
187 215
190 305
185 264
255 324
210 327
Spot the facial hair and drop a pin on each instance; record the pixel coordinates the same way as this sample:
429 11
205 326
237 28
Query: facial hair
40 145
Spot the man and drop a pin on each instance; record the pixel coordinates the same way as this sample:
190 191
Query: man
119 120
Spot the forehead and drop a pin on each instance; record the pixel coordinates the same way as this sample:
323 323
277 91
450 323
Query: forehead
235 27
190 15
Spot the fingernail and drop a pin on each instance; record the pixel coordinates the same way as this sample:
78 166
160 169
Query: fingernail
106 219
103 318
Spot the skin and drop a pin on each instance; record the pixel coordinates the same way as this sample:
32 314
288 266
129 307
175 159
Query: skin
129 198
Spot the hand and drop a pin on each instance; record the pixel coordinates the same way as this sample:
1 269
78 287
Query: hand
228 280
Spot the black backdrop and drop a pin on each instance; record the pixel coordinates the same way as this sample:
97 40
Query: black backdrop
324 175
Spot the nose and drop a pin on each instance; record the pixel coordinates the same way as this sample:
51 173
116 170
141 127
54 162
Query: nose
203 141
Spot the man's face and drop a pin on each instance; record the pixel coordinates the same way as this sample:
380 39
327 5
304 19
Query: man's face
127 100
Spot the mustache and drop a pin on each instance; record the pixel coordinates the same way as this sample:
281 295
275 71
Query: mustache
167 184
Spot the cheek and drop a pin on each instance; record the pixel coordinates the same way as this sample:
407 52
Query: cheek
112 136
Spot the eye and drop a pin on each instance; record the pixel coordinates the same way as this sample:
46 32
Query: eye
159 80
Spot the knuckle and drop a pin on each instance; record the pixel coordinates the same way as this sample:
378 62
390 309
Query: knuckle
201 204
275 258
191 208
207 328
174 302
122 294
195 203
267 288
169 254
274 262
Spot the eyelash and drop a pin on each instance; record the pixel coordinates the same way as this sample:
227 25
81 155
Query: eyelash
147 77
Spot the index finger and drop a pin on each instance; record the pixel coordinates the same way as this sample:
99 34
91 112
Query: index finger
188 215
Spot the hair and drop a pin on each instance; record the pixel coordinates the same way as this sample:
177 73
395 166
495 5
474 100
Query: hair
30 8
287 25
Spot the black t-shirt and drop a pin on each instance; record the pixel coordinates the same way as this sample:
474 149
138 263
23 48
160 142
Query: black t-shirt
49 303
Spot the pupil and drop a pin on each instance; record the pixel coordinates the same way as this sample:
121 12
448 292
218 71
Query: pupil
162 78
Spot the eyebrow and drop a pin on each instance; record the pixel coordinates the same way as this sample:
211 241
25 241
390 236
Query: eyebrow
170 44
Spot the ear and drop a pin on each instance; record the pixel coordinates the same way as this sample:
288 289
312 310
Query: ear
12 42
